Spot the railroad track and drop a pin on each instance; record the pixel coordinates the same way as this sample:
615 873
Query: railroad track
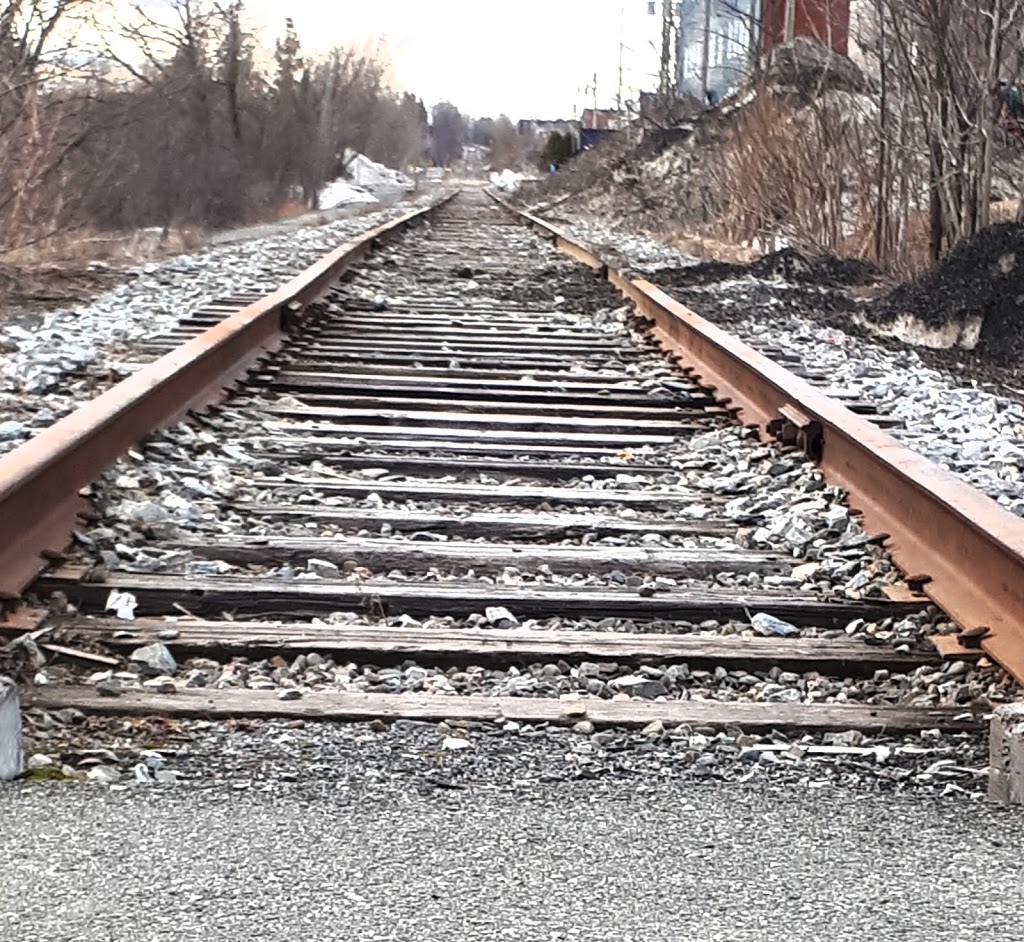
461 480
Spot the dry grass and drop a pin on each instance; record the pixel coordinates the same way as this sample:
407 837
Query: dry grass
45 288
708 248
86 246
1005 210
70 268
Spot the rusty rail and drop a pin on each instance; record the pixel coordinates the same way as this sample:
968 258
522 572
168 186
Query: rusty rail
966 550
40 481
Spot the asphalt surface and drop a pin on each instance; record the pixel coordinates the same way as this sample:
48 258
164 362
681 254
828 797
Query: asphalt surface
598 862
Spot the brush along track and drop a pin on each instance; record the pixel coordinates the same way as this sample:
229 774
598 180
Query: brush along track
472 489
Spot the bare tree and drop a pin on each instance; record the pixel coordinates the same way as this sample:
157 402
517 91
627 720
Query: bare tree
447 132
507 150
949 57
38 131
177 122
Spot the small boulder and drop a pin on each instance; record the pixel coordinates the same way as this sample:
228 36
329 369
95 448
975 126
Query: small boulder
154 659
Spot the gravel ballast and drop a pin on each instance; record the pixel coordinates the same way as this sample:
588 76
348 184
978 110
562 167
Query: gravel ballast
70 355
195 484
623 861
955 420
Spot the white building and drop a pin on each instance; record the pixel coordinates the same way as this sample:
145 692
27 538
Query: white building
731 39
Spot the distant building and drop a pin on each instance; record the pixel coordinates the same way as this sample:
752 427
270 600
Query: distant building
731 42
538 130
827 21
741 29
603 119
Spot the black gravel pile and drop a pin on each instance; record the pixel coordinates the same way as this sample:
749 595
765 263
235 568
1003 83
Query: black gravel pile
786 283
789 265
983 275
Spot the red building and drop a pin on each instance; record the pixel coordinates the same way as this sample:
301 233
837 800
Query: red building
601 119
827 21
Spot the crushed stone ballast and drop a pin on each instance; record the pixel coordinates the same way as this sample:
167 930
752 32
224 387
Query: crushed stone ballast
471 488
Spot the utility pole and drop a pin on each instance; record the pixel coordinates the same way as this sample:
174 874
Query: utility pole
790 27
756 17
705 58
665 75
622 46
680 48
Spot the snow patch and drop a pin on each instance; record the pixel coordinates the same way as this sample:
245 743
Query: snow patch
343 193
364 179
373 176
507 180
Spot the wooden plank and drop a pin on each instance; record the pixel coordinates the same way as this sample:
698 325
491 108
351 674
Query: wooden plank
563 437
500 362
448 330
499 468
521 495
563 407
429 317
458 397
561 383
157 595
562 446
839 657
503 526
495 423
595 366
78 655
466 345
381 554
398 312
508 350
330 705
580 381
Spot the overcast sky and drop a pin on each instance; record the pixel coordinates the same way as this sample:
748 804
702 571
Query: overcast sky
526 58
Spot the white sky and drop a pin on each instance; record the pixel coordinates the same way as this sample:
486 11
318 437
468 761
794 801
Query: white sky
526 58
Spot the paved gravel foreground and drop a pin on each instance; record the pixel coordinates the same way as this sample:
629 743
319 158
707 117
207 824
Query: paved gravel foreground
618 861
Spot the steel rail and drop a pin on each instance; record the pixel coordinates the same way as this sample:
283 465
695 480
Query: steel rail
963 548
40 481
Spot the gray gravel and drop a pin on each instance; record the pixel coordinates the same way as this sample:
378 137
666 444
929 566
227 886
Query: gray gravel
425 757
209 479
957 423
622 862
74 353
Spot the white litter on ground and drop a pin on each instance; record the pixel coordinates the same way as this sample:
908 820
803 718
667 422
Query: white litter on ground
123 604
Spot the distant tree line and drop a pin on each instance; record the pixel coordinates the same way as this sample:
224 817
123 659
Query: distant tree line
175 120
451 131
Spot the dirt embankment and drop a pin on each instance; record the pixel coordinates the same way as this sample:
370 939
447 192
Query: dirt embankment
968 309
973 298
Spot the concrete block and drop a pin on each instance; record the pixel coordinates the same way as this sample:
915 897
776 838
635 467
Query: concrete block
1006 755
12 754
